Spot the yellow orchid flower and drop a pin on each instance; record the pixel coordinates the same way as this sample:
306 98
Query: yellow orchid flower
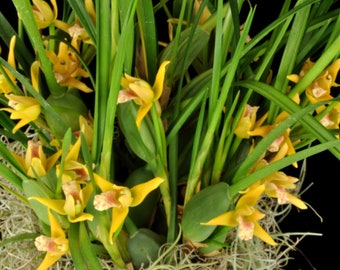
141 92
55 246
120 198
332 119
76 30
66 67
320 89
73 205
35 162
246 122
245 216
25 108
73 169
5 86
44 14
276 186
282 145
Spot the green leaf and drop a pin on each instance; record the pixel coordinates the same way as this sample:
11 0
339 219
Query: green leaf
10 176
75 247
103 68
203 206
144 246
141 142
18 238
7 156
87 251
147 29
196 41
33 188
8 125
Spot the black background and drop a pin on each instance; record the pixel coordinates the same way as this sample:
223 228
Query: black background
313 252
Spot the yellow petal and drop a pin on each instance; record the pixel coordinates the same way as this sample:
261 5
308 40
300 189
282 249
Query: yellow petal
35 75
139 192
52 160
82 217
251 197
11 57
76 84
56 230
118 217
225 219
36 168
56 205
28 115
103 184
263 235
296 201
143 91
90 10
43 13
261 131
74 151
48 261
159 81
142 112
333 69
32 112
86 193
20 160
294 78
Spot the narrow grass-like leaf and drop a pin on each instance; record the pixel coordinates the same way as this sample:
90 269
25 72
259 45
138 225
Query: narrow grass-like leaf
9 158
76 250
290 52
103 68
87 250
12 178
147 29
8 125
335 33
196 170
18 238
187 111
223 147
106 168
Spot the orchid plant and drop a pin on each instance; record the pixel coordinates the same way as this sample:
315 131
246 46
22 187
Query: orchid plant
133 139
